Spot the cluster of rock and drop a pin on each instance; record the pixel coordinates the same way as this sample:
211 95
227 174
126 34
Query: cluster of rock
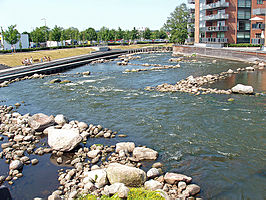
112 169
34 76
24 131
194 85
158 67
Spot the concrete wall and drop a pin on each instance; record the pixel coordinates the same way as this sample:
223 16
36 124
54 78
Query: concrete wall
246 56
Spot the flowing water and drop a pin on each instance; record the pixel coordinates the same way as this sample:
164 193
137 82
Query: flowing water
220 144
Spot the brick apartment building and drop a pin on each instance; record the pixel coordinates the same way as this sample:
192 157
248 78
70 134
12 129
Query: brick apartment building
218 22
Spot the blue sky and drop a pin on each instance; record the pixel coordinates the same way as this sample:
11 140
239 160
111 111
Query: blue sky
82 14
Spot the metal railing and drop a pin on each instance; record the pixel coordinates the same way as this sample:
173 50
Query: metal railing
214 28
257 41
216 16
213 40
259 11
258 26
219 4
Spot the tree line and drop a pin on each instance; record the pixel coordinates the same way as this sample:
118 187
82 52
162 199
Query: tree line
176 25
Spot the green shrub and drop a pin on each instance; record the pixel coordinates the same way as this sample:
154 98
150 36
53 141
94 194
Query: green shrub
134 194
243 45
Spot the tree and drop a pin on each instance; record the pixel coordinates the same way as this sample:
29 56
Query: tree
72 33
176 24
38 35
90 34
55 34
147 34
11 35
120 34
134 34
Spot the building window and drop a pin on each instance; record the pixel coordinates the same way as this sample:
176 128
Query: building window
259 1
258 35
245 3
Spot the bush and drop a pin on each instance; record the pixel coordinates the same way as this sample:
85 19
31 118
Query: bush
134 194
243 45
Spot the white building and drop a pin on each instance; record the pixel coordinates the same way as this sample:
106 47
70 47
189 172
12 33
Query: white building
23 42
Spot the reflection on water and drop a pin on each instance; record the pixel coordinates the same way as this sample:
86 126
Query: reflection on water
220 144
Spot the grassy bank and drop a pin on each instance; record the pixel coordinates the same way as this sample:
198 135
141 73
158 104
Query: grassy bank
15 59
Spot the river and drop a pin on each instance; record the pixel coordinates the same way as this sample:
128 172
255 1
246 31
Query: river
220 144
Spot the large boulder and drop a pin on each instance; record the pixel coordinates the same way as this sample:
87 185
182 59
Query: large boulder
130 176
142 153
126 146
98 176
40 121
173 178
63 139
243 89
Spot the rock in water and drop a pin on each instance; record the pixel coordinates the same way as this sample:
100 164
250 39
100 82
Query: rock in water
4 193
98 176
142 153
63 139
153 185
130 176
173 178
243 89
15 164
40 121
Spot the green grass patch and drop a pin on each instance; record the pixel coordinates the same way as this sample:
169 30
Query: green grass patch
134 194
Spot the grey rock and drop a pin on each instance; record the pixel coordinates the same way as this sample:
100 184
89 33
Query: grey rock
93 153
63 139
40 121
153 185
130 176
173 178
99 177
123 192
191 189
126 146
15 164
34 161
60 119
142 153
243 89
153 172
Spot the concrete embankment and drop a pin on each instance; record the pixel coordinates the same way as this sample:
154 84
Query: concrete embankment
224 53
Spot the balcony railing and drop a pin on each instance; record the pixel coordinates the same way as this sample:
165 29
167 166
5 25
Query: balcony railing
214 28
219 4
216 17
190 40
259 11
258 26
257 41
191 1
214 40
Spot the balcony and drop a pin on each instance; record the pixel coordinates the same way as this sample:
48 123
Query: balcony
216 17
259 11
191 1
214 40
214 29
216 5
257 41
189 40
258 26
